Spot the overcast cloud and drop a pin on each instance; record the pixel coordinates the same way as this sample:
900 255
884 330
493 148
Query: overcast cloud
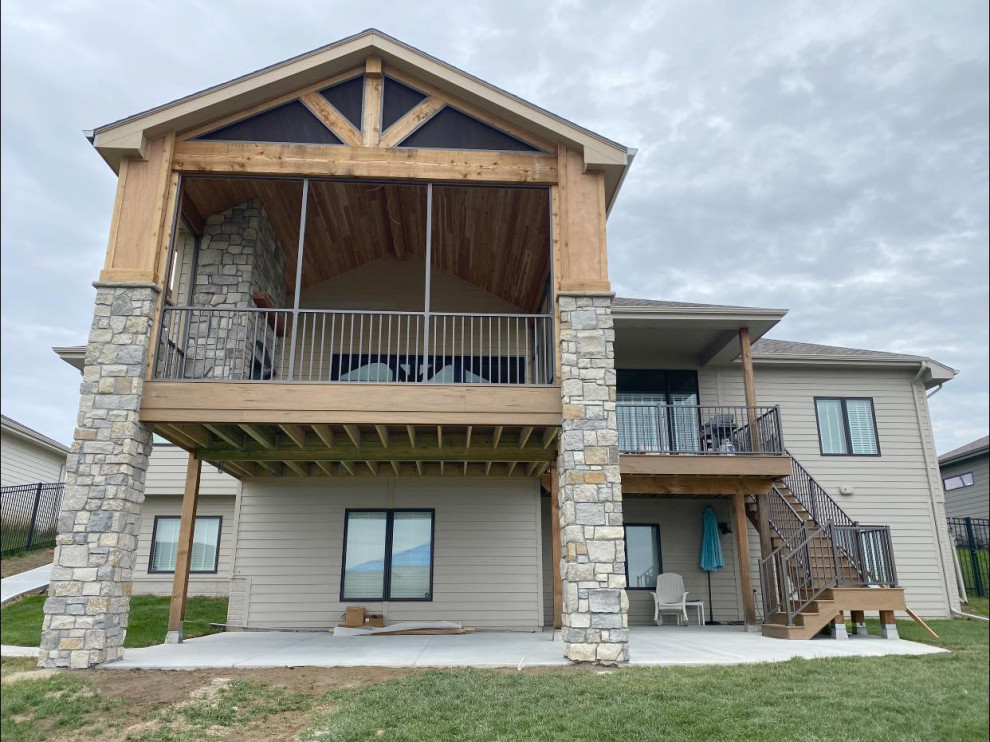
826 157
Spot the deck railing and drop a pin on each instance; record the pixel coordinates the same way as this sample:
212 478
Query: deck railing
337 346
695 429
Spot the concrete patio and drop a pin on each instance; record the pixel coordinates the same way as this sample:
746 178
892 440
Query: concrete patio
649 645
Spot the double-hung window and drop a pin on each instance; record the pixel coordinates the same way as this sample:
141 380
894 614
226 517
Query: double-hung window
847 426
643 563
205 548
388 555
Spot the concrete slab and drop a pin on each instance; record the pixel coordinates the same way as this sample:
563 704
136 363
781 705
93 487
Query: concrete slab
669 646
26 582
7 650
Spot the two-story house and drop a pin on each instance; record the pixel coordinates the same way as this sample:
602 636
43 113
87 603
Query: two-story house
375 290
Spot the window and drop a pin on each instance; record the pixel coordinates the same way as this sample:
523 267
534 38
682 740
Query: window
958 482
643 564
847 426
165 544
388 555
644 420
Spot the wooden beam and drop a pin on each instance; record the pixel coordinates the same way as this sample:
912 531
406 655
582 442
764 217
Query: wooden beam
297 467
296 433
690 485
744 566
325 467
439 436
373 467
260 434
371 123
354 433
395 466
313 160
488 467
774 467
524 435
555 550
763 524
382 431
411 431
467 437
324 433
348 466
411 121
510 468
176 436
183 556
374 451
549 436
497 437
196 433
419 467
749 385
230 436
271 466
332 118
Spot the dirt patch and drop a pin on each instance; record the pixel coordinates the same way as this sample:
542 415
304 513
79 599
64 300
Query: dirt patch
23 562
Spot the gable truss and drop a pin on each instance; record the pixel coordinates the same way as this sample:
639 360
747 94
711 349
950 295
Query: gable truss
370 134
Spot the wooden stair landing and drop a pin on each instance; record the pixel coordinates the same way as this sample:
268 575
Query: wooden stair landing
827 607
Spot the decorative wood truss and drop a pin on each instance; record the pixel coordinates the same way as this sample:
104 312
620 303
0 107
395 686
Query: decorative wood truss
349 450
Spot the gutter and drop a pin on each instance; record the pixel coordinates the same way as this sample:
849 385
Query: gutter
970 616
940 533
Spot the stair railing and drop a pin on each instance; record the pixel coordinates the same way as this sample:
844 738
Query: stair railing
813 497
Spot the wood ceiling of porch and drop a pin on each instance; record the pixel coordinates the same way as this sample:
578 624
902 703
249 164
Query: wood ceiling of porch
495 238
322 450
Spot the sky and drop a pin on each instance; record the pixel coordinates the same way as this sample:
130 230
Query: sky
831 158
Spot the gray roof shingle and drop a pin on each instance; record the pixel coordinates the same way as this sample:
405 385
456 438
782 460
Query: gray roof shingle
972 447
31 433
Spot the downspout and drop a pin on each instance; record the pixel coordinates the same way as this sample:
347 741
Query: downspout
939 536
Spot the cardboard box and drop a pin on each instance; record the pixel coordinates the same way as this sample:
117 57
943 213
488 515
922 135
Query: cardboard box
354 616
374 620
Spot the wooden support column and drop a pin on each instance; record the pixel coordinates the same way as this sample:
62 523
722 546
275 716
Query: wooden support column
742 549
183 557
558 588
763 524
749 385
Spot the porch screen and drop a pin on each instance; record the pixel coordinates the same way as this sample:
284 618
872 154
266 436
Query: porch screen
388 555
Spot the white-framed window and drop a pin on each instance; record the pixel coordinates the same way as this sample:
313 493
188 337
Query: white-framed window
205 549
847 426
958 481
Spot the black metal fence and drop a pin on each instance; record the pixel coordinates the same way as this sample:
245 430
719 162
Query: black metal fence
972 539
29 516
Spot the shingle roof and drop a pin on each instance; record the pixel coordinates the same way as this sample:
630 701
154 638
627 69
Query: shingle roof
769 348
623 301
963 451
27 432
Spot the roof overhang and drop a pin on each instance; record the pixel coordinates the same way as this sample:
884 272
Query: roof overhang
931 372
946 460
693 335
35 438
129 137
74 355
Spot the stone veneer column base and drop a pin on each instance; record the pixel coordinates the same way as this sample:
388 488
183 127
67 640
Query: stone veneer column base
89 595
593 570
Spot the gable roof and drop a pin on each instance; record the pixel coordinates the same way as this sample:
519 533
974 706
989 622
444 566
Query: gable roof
128 137
10 425
981 446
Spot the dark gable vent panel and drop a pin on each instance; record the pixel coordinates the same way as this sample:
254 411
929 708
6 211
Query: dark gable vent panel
451 129
289 123
397 101
348 98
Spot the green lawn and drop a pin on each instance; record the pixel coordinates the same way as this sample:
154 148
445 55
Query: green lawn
936 697
20 622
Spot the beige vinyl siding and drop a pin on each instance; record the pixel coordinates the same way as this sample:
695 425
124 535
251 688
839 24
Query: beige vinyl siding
487 552
972 501
895 488
167 474
679 520
546 537
25 462
148 583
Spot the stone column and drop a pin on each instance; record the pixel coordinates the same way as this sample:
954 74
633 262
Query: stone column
595 616
89 595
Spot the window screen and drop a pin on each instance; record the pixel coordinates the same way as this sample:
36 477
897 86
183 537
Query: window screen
348 98
205 548
288 123
451 129
642 556
388 555
397 101
847 427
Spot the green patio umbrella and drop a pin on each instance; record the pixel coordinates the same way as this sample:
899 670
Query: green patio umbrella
711 552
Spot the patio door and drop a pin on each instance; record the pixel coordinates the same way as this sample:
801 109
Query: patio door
658 411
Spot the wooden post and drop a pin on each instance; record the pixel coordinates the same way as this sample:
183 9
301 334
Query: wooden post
742 549
763 524
183 557
749 386
558 594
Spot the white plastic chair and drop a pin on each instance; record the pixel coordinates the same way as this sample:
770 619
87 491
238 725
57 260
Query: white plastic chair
671 597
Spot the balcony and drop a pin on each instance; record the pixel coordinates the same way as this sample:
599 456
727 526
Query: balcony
675 440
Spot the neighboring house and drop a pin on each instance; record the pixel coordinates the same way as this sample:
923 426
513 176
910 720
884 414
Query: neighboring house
27 456
966 480
374 290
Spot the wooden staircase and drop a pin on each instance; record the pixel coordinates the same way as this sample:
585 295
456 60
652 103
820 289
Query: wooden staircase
817 562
